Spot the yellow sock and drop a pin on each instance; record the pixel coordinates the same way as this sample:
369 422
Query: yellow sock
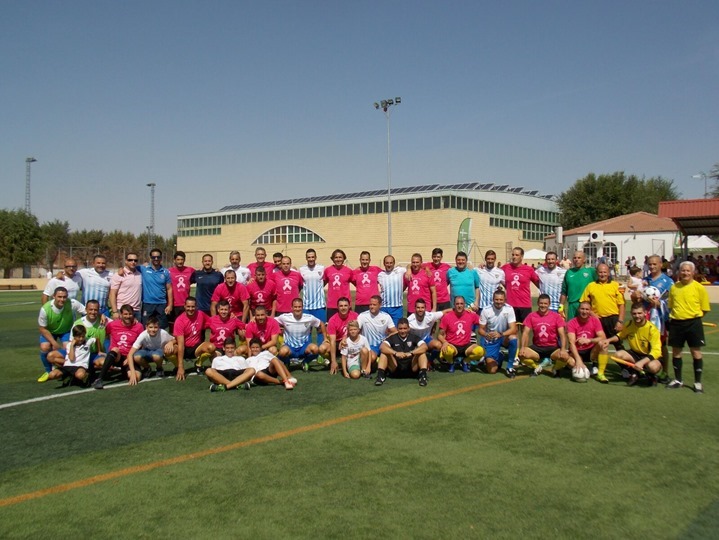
528 362
449 355
477 353
602 360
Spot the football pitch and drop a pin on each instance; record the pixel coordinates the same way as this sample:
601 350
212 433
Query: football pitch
471 455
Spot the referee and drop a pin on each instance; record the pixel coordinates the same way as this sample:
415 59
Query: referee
688 302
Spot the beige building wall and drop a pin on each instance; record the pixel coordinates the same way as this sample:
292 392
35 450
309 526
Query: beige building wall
418 231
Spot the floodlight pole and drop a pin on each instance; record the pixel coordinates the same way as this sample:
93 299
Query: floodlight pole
28 161
151 228
704 176
385 105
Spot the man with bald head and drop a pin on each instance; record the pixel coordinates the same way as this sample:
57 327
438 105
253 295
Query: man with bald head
575 281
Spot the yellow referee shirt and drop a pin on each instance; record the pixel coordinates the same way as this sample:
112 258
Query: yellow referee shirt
605 298
643 339
688 301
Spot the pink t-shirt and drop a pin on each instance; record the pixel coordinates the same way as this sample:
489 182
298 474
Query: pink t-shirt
517 282
123 337
338 283
264 333
193 329
587 330
180 284
220 329
458 330
439 276
237 296
268 266
129 289
287 287
418 287
337 326
262 295
544 328
365 282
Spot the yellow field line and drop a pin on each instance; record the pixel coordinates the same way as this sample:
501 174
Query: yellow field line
120 473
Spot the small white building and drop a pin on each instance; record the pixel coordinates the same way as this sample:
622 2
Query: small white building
639 234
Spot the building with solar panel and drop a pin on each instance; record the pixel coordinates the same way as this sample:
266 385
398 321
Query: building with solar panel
423 217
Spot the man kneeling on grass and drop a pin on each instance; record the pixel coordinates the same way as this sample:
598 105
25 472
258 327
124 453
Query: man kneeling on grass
76 362
402 355
229 371
645 346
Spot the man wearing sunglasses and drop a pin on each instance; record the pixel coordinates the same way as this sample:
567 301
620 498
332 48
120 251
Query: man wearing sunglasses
156 290
126 287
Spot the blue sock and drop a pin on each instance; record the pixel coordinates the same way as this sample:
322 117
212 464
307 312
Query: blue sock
47 365
512 352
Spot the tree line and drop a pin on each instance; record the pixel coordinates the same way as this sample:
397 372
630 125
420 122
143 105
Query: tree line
26 242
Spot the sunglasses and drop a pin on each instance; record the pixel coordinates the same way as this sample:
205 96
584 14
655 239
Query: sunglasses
70 266
132 260
156 257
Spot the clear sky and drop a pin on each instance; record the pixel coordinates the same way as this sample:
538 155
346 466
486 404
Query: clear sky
224 102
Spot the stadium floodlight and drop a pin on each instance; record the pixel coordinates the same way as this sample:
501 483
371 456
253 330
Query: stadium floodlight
704 176
385 104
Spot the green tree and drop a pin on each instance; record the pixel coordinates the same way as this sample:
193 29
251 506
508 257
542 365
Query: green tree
714 175
56 235
594 198
84 245
21 240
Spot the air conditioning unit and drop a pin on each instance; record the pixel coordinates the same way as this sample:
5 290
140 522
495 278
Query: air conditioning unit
596 236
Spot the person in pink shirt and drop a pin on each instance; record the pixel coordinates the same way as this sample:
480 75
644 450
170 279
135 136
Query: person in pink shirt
585 336
223 326
438 271
337 330
126 287
337 278
189 332
235 293
180 277
260 256
263 292
122 333
455 334
288 284
419 284
264 328
549 338
364 278
518 278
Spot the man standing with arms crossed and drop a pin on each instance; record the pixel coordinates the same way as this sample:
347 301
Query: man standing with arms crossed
156 290
575 281
551 277
96 283
126 288
491 278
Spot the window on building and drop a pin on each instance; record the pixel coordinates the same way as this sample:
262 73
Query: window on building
288 234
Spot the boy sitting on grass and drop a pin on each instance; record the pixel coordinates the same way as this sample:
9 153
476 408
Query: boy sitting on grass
355 352
228 371
153 345
75 364
269 369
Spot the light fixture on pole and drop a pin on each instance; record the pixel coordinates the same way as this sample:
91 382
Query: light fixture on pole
385 105
704 176
151 228
28 161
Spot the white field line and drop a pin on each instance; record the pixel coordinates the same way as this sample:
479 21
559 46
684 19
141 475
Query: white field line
75 392
12 304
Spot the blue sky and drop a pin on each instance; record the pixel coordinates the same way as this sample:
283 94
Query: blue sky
229 102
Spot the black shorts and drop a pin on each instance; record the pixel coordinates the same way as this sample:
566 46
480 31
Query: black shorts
609 325
585 355
636 356
544 352
441 306
361 308
689 331
69 371
521 313
462 349
191 352
404 369
175 313
230 374
331 311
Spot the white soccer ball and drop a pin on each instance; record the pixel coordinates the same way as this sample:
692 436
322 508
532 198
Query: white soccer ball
581 374
651 293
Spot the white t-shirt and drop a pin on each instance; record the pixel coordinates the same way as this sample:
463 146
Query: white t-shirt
489 281
497 320
73 286
222 363
82 355
422 329
297 333
150 343
261 361
242 272
375 327
352 350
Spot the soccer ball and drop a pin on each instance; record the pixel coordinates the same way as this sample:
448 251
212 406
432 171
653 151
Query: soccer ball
581 374
651 293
